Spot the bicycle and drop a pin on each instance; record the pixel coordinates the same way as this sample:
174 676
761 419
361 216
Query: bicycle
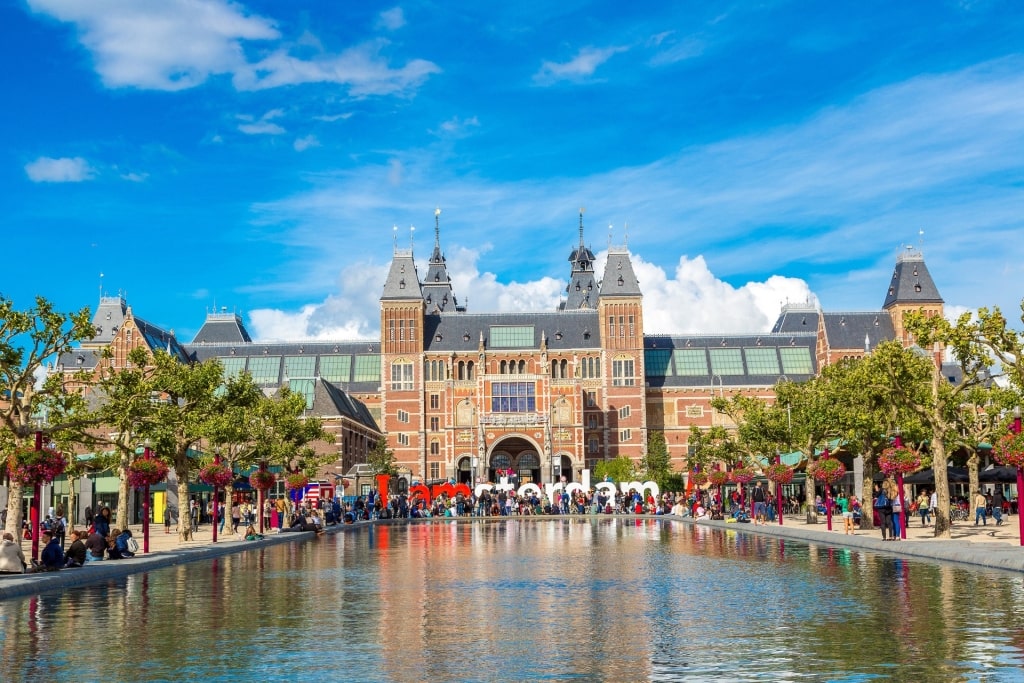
959 514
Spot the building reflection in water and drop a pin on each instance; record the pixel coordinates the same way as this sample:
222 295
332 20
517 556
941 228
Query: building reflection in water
602 599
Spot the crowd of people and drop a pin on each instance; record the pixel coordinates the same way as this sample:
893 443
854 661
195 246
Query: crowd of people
99 542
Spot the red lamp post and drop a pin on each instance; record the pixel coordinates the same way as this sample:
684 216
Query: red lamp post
828 496
216 492
898 443
147 453
37 493
1015 428
778 490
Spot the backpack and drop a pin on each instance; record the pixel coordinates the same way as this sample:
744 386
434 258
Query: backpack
133 545
882 501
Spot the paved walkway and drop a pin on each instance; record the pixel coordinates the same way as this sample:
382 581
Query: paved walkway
996 547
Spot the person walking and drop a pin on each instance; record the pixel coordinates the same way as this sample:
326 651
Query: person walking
843 503
980 503
997 506
924 508
883 507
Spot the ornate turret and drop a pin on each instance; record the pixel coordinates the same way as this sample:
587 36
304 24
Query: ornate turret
437 287
911 289
582 287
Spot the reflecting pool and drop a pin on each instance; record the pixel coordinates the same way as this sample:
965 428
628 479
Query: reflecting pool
611 599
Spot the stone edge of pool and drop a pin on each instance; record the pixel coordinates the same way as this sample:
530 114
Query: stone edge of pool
991 556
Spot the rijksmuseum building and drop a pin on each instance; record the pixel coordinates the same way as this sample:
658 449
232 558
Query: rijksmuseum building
467 395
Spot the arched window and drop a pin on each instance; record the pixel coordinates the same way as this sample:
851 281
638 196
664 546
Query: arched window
564 365
522 367
469 370
503 369
501 461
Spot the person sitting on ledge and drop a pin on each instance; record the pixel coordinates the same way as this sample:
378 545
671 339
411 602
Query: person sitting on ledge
75 555
121 541
113 549
52 557
300 524
252 535
96 544
12 558
700 512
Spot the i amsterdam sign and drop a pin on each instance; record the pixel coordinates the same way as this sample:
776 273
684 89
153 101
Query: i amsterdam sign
551 491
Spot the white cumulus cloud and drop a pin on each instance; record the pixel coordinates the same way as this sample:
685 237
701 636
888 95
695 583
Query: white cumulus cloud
62 170
392 19
692 300
304 143
582 66
180 44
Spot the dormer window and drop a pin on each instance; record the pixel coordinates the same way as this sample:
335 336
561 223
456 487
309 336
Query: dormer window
577 285
465 336
401 283
558 336
437 277
621 281
917 286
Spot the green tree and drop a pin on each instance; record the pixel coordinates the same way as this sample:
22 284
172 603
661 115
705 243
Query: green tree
618 470
185 395
381 459
910 369
29 339
125 405
656 462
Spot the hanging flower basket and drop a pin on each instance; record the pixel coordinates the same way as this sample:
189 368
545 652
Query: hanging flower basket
779 473
717 477
899 461
698 477
827 470
217 474
31 467
146 471
743 475
261 480
1009 450
295 481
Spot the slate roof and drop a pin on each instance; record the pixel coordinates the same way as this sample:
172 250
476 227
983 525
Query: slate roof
222 328
582 288
158 338
729 360
863 330
911 282
619 278
403 281
461 332
107 320
329 399
798 318
82 358
437 286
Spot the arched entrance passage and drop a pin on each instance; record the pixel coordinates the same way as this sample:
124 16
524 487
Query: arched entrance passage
566 468
464 471
518 454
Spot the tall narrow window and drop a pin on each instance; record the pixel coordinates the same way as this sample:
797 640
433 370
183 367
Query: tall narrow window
401 375
622 372
435 401
391 330
401 330
631 333
622 326
412 330
611 326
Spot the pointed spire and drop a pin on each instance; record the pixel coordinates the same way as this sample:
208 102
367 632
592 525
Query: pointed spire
437 228
583 210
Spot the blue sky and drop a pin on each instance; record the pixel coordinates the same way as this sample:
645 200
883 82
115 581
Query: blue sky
258 155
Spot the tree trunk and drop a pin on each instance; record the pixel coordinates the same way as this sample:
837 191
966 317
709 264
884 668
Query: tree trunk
974 485
123 493
184 511
812 509
867 494
14 493
229 493
939 464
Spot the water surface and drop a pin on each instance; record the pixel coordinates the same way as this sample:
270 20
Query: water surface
612 599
